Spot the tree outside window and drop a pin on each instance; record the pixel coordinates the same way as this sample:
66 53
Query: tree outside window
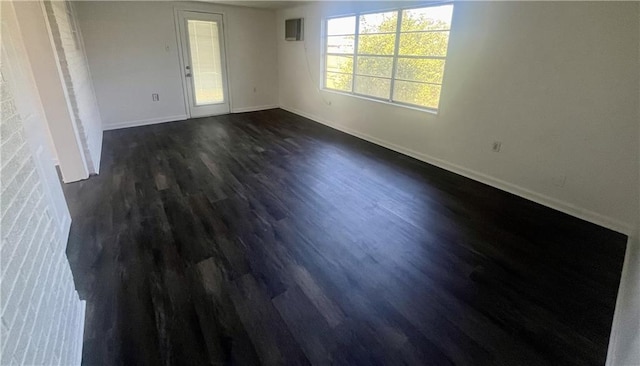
397 60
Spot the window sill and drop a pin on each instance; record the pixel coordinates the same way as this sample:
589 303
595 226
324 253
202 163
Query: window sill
382 101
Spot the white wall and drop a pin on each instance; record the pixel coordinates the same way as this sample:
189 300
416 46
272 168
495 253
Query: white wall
64 140
556 82
42 316
75 72
133 52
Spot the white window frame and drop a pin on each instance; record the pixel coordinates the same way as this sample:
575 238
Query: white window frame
395 56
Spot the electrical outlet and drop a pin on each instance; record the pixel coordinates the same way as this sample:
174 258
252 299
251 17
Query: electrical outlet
155 97
497 145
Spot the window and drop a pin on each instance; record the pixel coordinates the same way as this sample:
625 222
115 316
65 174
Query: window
396 56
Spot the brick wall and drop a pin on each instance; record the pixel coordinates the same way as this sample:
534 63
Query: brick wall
73 63
42 316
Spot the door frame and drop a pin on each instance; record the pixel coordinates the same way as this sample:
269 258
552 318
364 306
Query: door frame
181 49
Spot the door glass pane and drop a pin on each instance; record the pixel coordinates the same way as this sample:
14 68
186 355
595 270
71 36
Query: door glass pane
375 87
426 95
206 67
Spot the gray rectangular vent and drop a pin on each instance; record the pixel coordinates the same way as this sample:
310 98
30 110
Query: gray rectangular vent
293 29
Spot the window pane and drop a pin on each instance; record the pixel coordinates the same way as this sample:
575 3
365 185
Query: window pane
338 81
378 22
424 44
420 69
435 17
343 64
374 87
205 61
376 44
375 66
340 44
426 95
341 26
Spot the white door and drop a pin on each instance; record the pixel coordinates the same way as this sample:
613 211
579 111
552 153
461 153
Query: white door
203 62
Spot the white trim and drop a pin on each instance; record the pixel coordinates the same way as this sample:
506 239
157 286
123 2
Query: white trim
143 122
324 52
180 117
626 304
176 23
254 109
383 101
65 229
80 333
65 88
182 56
570 209
97 152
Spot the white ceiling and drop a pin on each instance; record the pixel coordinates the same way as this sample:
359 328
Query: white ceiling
265 4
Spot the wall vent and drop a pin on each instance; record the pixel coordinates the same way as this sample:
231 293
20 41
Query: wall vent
293 29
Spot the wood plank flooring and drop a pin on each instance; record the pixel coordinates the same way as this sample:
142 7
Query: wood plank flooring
265 238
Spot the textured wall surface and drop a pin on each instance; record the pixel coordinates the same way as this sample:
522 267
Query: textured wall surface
42 316
73 63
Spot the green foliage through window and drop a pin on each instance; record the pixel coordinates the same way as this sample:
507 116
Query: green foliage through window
397 56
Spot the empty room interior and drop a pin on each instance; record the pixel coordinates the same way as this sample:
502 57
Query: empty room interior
320 182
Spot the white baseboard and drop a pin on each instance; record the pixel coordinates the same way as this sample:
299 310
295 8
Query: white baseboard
254 109
80 333
143 122
624 342
181 117
544 200
65 228
97 154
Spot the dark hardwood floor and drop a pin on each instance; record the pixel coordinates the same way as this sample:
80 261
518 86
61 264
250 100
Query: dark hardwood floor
265 238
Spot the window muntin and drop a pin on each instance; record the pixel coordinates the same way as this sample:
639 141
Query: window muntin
398 56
